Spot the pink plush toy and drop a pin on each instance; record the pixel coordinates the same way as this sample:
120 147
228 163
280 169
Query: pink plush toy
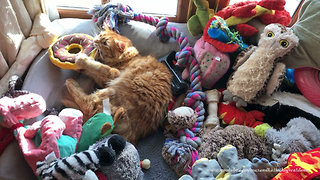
52 128
22 107
59 134
213 63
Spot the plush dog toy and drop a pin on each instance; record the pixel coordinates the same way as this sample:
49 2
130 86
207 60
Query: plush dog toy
182 118
299 135
197 22
301 165
267 11
78 166
257 71
213 63
230 114
58 134
126 165
248 144
229 166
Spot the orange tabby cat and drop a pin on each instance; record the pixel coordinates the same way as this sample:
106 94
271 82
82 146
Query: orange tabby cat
138 87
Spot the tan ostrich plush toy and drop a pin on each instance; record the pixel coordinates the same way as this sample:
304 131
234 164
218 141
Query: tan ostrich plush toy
258 70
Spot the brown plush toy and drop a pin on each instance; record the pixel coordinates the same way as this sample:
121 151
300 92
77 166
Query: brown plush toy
257 70
248 144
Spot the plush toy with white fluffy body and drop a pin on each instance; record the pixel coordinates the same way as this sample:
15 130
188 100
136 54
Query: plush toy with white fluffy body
257 70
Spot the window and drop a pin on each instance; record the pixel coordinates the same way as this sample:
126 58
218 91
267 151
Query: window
163 7
174 9
78 4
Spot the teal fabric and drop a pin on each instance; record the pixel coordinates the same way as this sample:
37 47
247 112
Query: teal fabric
37 139
67 145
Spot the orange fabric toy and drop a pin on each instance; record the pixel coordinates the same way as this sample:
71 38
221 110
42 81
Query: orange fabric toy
230 114
305 165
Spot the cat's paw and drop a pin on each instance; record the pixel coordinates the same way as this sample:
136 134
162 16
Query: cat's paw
129 53
114 72
71 83
81 59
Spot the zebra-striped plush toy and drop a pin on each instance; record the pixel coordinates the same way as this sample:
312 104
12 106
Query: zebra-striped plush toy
76 166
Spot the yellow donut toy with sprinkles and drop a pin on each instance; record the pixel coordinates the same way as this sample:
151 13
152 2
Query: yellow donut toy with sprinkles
64 50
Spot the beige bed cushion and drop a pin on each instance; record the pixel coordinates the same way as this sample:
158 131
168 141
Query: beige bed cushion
48 80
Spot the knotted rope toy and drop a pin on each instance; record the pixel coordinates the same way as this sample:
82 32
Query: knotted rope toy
110 15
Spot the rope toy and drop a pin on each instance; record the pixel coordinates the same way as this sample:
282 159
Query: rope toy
110 15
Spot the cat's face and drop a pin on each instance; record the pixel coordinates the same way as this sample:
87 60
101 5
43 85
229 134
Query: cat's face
111 45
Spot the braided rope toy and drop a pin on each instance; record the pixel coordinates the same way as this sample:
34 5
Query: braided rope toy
110 15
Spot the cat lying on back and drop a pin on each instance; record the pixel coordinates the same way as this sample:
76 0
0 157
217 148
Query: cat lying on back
138 87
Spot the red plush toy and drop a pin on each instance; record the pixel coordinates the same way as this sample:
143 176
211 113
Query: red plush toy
268 11
230 114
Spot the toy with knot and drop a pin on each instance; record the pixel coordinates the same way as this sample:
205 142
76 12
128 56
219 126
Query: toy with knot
267 11
179 156
181 119
110 15
185 57
218 34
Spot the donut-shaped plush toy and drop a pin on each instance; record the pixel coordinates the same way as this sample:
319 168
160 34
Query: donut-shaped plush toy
63 52
308 82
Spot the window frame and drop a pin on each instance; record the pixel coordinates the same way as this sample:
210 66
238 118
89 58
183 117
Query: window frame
180 17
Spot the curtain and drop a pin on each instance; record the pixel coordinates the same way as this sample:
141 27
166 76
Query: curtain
25 29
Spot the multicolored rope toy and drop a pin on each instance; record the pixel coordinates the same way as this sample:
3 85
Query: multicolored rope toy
111 15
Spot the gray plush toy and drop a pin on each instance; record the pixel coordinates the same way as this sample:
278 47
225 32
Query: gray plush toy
299 135
125 166
112 156
230 167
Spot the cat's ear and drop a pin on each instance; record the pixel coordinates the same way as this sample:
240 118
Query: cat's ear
120 45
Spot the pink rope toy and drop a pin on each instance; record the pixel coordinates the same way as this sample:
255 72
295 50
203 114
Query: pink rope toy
109 15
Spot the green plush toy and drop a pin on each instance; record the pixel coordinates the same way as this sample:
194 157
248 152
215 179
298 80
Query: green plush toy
197 22
97 127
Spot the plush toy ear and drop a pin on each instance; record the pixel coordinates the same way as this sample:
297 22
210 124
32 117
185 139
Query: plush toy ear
105 127
120 45
117 143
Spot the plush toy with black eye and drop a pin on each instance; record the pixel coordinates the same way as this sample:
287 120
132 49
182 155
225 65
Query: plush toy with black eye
257 69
